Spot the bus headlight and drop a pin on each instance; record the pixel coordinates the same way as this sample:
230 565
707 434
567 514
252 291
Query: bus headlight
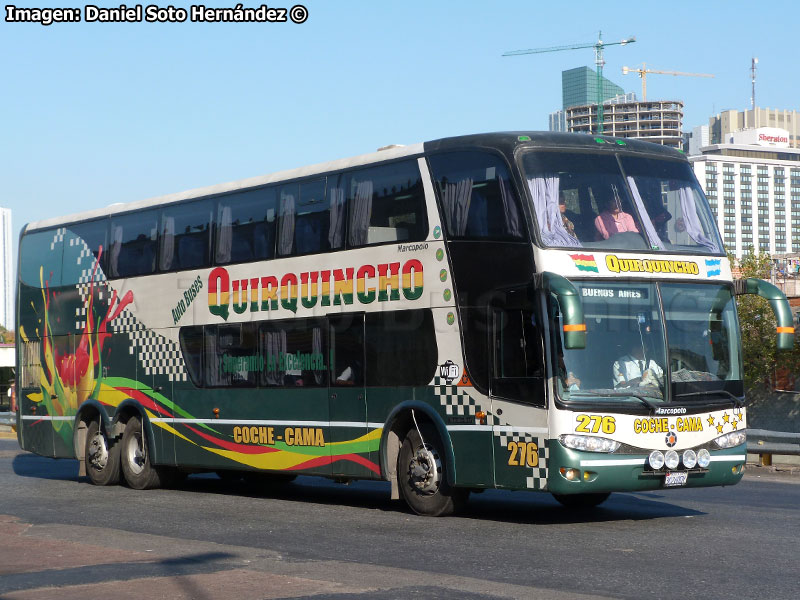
703 458
671 459
655 460
588 443
734 438
689 458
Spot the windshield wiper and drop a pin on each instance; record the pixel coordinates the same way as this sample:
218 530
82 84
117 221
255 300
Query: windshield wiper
737 402
642 398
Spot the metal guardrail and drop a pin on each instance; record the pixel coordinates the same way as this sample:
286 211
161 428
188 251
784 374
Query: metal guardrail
8 418
765 443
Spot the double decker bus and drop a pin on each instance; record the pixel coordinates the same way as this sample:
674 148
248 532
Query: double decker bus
525 311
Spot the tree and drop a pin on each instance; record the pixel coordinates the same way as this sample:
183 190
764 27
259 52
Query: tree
6 336
761 359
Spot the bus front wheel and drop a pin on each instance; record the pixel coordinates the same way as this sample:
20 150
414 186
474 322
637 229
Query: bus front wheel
422 475
101 456
140 473
581 500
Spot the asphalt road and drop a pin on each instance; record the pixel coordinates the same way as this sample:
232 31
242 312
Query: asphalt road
62 537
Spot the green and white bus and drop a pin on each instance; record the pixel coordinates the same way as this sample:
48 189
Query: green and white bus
525 311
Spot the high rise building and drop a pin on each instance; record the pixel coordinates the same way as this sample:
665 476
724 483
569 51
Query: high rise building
578 88
730 121
752 181
6 271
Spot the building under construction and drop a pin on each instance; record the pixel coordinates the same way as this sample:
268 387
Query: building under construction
657 121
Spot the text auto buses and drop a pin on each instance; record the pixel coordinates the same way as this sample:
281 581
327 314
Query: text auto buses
523 311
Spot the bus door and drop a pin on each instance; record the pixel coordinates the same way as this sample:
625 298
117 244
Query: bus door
517 387
349 450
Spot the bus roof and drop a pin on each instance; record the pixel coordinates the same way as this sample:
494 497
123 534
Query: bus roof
507 142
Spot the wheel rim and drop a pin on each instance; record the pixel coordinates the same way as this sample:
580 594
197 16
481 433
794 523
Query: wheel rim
425 470
98 451
135 453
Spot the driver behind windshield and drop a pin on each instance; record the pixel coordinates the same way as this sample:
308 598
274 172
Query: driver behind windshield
636 369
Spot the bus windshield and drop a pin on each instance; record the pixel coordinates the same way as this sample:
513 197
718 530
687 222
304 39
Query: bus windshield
588 200
642 336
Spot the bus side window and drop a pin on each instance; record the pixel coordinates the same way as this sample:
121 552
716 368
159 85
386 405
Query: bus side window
93 234
292 353
231 357
401 348
386 204
477 196
311 219
191 340
288 196
245 226
133 244
185 236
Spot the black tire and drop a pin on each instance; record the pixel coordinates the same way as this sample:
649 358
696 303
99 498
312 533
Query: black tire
582 500
101 456
139 472
422 475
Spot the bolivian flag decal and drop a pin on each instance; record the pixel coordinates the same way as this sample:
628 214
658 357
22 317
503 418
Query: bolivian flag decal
584 262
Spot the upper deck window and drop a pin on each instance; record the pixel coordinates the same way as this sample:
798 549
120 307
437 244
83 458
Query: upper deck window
246 226
477 196
133 244
386 204
185 236
585 200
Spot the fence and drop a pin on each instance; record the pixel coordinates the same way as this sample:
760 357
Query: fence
765 443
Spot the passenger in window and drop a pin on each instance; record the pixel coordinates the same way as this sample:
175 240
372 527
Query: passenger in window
346 377
613 219
567 216
660 218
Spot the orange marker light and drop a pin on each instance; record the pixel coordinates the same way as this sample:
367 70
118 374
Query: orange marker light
785 329
481 416
216 413
578 327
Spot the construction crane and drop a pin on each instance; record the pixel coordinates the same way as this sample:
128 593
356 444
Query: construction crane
643 71
598 60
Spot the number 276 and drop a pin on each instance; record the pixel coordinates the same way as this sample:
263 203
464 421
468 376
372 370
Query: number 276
523 454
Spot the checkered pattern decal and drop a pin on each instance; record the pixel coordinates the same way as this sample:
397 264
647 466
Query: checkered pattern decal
58 237
158 355
457 401
537 480
454 399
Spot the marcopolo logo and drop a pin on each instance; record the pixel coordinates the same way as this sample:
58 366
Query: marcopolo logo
385 282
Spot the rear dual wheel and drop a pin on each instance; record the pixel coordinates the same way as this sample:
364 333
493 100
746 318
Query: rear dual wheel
101 456
139 471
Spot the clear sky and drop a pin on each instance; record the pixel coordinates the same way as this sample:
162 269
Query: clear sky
96 113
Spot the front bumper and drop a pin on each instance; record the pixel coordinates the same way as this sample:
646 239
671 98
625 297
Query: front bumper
600 472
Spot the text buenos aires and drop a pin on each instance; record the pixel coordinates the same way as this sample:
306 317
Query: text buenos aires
328 287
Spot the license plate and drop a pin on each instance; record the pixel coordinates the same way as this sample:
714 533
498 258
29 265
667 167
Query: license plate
676 479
